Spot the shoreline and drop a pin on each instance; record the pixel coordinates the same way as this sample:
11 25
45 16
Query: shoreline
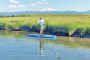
73 25
51 32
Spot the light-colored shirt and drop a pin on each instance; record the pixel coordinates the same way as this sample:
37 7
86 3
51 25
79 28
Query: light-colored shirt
41 22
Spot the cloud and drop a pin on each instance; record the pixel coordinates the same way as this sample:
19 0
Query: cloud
13 1
49 9
39 3
3 10
22 6
19 6
12 6
45 2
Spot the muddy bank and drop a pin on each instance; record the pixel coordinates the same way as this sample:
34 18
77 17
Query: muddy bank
49 30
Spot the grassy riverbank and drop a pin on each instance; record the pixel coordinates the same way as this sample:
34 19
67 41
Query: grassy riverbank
55 23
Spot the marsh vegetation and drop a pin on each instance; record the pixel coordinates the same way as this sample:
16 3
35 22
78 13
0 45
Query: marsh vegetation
59 24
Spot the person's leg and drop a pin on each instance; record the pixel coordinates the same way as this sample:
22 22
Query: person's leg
41 30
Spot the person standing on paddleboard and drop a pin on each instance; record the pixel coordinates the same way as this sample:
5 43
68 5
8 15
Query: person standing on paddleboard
41 24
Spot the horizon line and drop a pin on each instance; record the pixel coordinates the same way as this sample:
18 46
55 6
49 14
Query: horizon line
46 11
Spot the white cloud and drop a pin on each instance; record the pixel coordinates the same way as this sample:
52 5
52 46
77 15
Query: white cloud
18 6
13 1
44 9
43 0
12 6
49 9
33 4
22 6
1 10
5 10
39 3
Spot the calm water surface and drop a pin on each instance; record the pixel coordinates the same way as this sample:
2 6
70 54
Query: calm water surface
15 45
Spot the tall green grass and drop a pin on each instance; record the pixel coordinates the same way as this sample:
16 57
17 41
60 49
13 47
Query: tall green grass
58 22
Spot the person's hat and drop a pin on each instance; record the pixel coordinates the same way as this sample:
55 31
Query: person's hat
40 17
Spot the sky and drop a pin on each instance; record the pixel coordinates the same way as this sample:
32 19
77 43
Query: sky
44 5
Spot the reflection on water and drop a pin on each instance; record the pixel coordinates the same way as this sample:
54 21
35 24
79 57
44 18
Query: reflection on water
42 49
16 45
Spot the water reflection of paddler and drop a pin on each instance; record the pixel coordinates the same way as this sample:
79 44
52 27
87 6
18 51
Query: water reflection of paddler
42 49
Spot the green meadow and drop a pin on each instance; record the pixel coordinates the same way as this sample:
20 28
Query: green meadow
66 23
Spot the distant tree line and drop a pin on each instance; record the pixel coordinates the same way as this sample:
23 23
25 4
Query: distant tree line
24 15
3 16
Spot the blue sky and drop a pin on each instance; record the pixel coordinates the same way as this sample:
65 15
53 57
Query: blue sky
44 5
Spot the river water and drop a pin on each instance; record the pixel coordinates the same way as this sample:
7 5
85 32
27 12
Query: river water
16 45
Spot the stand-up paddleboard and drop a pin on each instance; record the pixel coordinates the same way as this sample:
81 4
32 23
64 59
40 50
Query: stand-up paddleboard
43 36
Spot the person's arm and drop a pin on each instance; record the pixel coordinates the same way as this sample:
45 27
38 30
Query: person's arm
37 21
44 22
